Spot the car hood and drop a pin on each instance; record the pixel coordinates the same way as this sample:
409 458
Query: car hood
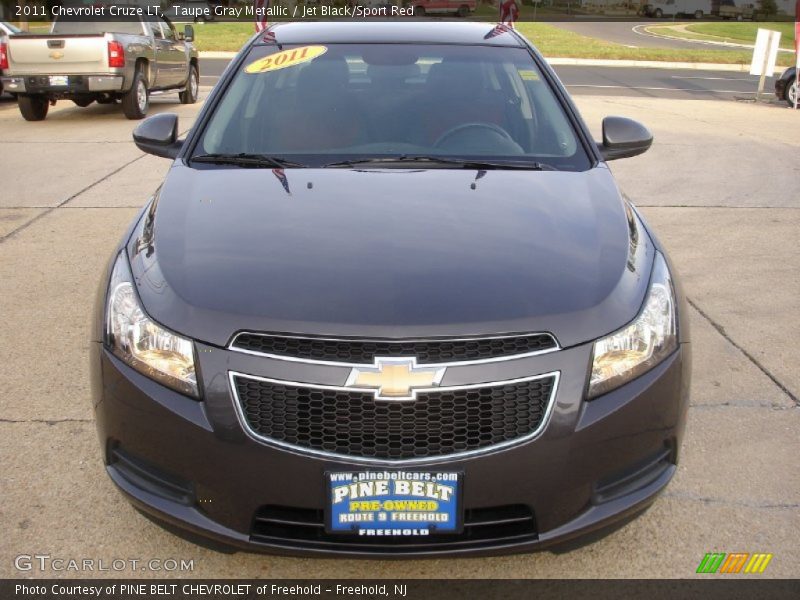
390 253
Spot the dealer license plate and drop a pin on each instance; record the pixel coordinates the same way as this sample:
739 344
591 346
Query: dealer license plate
394 503
59 80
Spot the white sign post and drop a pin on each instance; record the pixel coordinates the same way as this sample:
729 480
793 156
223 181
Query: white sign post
765 54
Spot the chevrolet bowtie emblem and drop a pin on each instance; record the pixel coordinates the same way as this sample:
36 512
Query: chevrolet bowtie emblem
395 378
56 54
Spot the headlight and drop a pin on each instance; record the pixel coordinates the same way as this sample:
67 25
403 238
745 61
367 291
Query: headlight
141 342
640 346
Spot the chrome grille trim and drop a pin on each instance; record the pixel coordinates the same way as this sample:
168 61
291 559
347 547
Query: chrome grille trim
239 410
312 361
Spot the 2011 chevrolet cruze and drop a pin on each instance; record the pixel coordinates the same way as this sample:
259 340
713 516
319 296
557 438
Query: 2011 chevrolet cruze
390 301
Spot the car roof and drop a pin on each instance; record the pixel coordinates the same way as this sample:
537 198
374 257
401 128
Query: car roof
399 32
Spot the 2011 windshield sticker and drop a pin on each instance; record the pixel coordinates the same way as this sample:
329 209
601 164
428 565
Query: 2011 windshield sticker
286 58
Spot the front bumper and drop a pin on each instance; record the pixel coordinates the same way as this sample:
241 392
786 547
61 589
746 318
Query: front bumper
76 84
191 465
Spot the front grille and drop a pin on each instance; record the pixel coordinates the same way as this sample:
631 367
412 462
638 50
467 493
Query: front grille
305 528
365 351
355 424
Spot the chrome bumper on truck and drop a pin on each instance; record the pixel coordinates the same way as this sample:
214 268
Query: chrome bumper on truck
62 84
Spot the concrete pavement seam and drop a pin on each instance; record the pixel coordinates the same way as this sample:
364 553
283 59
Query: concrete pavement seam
710 206
743 405
50 209
47 421
36 207
721 330
709 500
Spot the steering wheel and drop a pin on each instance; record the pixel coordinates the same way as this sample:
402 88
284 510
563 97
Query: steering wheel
468 126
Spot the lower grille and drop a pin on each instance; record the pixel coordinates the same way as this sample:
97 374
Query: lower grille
356 425
305 528
150 478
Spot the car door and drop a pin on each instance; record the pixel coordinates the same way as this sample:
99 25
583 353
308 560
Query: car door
170 55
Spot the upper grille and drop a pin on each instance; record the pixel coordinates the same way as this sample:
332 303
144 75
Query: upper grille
355 424
365 351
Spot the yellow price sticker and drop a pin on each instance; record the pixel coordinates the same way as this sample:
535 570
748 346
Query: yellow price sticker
529 75
285 58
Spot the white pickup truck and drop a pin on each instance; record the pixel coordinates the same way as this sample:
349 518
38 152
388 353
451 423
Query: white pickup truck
101 62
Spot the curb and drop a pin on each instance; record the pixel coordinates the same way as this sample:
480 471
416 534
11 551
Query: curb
217 54
588 62
651 33
647 64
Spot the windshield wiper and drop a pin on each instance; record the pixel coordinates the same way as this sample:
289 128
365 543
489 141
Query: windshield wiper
244 159
464 163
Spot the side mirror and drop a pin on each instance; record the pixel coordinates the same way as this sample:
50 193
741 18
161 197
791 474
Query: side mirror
188 33
623 138
158 135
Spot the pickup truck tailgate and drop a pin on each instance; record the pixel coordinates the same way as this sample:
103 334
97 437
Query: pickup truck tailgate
38 54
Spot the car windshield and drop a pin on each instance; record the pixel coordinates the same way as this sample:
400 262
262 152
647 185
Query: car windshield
322 104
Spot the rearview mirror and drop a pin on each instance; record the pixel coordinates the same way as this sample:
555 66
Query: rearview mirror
188 33
623 138
158 135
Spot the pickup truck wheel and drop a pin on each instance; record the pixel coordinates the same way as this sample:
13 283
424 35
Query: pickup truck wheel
189 95
791 93
136 101
33 108
463 11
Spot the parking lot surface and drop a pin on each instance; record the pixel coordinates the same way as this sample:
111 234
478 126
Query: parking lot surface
720 188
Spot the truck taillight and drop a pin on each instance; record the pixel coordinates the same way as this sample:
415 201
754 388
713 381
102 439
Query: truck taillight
116 54
3 55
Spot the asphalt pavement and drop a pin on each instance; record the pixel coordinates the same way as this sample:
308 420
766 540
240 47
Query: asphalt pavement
719 187
616 81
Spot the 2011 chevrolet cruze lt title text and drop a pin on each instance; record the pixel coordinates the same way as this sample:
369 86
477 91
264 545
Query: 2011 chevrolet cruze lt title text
389 301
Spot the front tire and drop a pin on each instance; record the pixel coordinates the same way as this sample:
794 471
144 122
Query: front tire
189 95
658 14
137 100
33 108
463 11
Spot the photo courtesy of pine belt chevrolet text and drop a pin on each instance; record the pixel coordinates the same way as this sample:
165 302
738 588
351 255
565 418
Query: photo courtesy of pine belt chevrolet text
389 301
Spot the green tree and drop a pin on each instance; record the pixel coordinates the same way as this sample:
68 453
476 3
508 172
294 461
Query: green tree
768 7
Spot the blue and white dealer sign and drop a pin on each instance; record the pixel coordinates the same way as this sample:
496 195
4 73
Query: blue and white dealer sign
394 503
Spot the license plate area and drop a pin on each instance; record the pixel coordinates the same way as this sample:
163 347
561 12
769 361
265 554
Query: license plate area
59 80
393 504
